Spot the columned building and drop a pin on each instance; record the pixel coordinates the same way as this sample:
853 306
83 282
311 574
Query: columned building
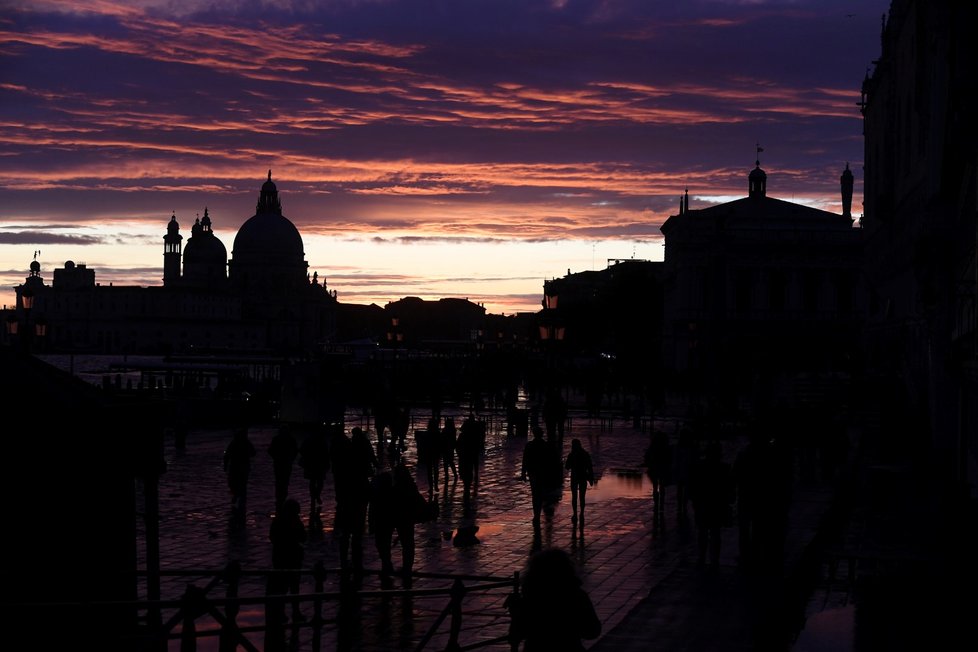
761 296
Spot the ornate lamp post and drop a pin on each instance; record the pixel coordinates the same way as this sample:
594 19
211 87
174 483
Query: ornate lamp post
550 332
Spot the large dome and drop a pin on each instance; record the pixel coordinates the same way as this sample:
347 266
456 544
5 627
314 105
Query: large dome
268 235
267 257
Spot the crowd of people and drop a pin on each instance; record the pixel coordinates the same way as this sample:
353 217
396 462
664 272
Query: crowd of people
376 494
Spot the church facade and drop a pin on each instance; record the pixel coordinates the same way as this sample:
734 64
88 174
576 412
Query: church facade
260 300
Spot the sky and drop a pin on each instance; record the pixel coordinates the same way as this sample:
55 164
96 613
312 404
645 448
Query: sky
431 148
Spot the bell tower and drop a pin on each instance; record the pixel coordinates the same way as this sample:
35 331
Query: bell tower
171 252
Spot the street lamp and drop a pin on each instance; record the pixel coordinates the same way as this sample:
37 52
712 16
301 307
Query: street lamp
27 303
40 332
394 335
551 333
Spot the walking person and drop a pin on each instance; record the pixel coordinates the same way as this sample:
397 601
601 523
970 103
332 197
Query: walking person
382 520
449 440
237 464
314 460
581 477
553 612
288 536
283 450
354 463
536 468
468 448
658 466
687 452
429 452
713 494
750 474
397 512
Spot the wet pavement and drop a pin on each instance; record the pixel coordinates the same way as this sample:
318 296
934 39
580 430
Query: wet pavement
621 554
639 570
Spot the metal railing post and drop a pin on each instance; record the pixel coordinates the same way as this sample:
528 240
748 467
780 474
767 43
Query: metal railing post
513 606
457 594
229 633
192 606
319 577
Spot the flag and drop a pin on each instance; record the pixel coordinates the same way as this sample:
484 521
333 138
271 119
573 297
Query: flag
760 149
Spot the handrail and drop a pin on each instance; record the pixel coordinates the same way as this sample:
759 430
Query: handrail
195 603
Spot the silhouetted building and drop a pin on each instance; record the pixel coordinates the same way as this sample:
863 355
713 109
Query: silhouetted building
69 499
611 316
921 224
760 293
261 300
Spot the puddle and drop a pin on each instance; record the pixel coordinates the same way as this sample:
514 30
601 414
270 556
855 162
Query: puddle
616 484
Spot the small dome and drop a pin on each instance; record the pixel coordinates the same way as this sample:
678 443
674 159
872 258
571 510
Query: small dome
69 264
35 266
205 247
757 181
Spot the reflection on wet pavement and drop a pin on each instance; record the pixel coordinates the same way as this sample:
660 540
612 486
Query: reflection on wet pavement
618 484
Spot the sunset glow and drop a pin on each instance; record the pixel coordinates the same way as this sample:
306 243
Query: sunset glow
473 150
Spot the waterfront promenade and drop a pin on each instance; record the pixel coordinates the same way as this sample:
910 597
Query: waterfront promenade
624 555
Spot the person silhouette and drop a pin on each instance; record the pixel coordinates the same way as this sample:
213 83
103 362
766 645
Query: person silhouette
237 465
382 520
687 452
555 415
468 448
536 468
581 477
406 498
713 493
658 467
552 611
750 474
353 463
449 440
429 452
283 451
314 460
288 536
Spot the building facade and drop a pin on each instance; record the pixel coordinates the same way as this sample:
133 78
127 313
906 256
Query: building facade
921 225
760 294
261 300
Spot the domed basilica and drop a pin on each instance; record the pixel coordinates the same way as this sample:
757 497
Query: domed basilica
262 299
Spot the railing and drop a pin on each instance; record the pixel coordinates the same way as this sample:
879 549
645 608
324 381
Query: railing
184 615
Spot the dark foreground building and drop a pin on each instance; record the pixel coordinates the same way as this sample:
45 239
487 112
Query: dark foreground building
921 223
